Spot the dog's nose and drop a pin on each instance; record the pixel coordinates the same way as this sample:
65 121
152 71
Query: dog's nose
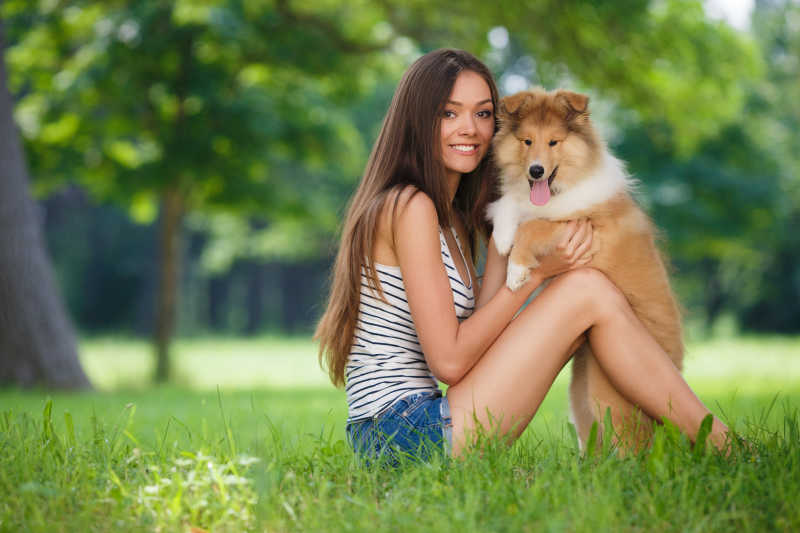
536 171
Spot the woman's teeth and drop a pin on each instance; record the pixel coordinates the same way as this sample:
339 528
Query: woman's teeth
465 147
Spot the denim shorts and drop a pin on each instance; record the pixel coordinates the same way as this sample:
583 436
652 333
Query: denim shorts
415 427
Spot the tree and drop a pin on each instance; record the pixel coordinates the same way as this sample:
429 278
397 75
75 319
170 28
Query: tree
662 60
730 207
256 108
775 120
37 344
171 107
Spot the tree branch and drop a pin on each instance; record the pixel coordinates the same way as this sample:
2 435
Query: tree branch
333 33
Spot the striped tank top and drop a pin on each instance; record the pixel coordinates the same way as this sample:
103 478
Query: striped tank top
386 362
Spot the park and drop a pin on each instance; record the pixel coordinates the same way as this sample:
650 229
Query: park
173 181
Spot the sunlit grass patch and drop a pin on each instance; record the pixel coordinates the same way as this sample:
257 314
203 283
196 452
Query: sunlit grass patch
206 362
749 362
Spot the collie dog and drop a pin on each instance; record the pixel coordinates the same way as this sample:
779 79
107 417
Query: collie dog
555 167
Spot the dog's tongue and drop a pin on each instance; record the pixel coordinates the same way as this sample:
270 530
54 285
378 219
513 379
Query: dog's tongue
540 192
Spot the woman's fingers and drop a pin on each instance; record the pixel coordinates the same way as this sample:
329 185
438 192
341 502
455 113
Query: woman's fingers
571 228
582 232
581 250
565 244
572 249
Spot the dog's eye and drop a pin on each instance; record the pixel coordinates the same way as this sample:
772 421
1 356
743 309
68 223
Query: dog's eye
528 142
553 143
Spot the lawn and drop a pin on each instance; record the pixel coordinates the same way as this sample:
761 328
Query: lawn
250 437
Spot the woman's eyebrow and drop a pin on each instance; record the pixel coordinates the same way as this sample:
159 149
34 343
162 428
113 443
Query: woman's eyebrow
453 102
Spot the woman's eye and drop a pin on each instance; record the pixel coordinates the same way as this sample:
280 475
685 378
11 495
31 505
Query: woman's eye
485 113
449 114
553 143
528 142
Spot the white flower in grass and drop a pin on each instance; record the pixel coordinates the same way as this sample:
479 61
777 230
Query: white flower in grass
151 489
182 462
247 460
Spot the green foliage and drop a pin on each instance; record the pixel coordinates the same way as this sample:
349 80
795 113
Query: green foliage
776 119
254 105
729 209
262 112
662 60
156 95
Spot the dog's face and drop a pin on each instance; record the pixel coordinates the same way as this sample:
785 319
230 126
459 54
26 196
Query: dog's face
546 141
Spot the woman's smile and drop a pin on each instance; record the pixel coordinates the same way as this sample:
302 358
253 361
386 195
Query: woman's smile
466 149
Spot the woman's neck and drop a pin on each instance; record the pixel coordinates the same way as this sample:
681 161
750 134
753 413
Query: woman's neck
453 180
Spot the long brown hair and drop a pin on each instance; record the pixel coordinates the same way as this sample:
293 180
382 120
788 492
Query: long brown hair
405 153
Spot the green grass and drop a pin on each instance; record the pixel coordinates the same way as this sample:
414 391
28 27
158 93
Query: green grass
251 438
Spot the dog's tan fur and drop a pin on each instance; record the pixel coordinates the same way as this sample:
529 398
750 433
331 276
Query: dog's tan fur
624 242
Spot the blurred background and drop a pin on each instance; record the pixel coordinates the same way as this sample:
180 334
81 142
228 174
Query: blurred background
179 169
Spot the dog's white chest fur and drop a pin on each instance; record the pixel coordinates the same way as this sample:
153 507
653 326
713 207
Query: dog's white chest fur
514 206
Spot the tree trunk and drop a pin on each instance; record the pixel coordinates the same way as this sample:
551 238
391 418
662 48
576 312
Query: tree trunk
37 342
172 210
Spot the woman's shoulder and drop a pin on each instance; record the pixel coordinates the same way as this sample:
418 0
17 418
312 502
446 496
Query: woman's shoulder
408 204
409 197
406 211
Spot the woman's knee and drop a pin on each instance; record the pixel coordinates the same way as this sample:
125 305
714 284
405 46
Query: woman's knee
594 290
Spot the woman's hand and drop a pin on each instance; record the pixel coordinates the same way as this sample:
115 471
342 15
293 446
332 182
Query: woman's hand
571 251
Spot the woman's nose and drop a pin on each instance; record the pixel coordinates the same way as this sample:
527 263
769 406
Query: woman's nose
468 125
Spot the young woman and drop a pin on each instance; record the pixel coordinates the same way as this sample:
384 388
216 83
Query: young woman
405 304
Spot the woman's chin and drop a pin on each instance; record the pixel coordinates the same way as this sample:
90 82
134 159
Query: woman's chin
463 167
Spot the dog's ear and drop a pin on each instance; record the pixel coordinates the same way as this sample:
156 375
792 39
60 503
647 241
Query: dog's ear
575 105
510 105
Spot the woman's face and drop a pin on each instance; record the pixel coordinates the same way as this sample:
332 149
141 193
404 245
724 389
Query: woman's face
467 124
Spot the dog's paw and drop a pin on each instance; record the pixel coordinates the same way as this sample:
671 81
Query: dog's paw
505 226
503 239
516 276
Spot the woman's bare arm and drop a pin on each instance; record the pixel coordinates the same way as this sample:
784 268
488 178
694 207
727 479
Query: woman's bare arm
494 274
451 348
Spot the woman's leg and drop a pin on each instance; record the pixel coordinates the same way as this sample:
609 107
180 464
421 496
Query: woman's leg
507 385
